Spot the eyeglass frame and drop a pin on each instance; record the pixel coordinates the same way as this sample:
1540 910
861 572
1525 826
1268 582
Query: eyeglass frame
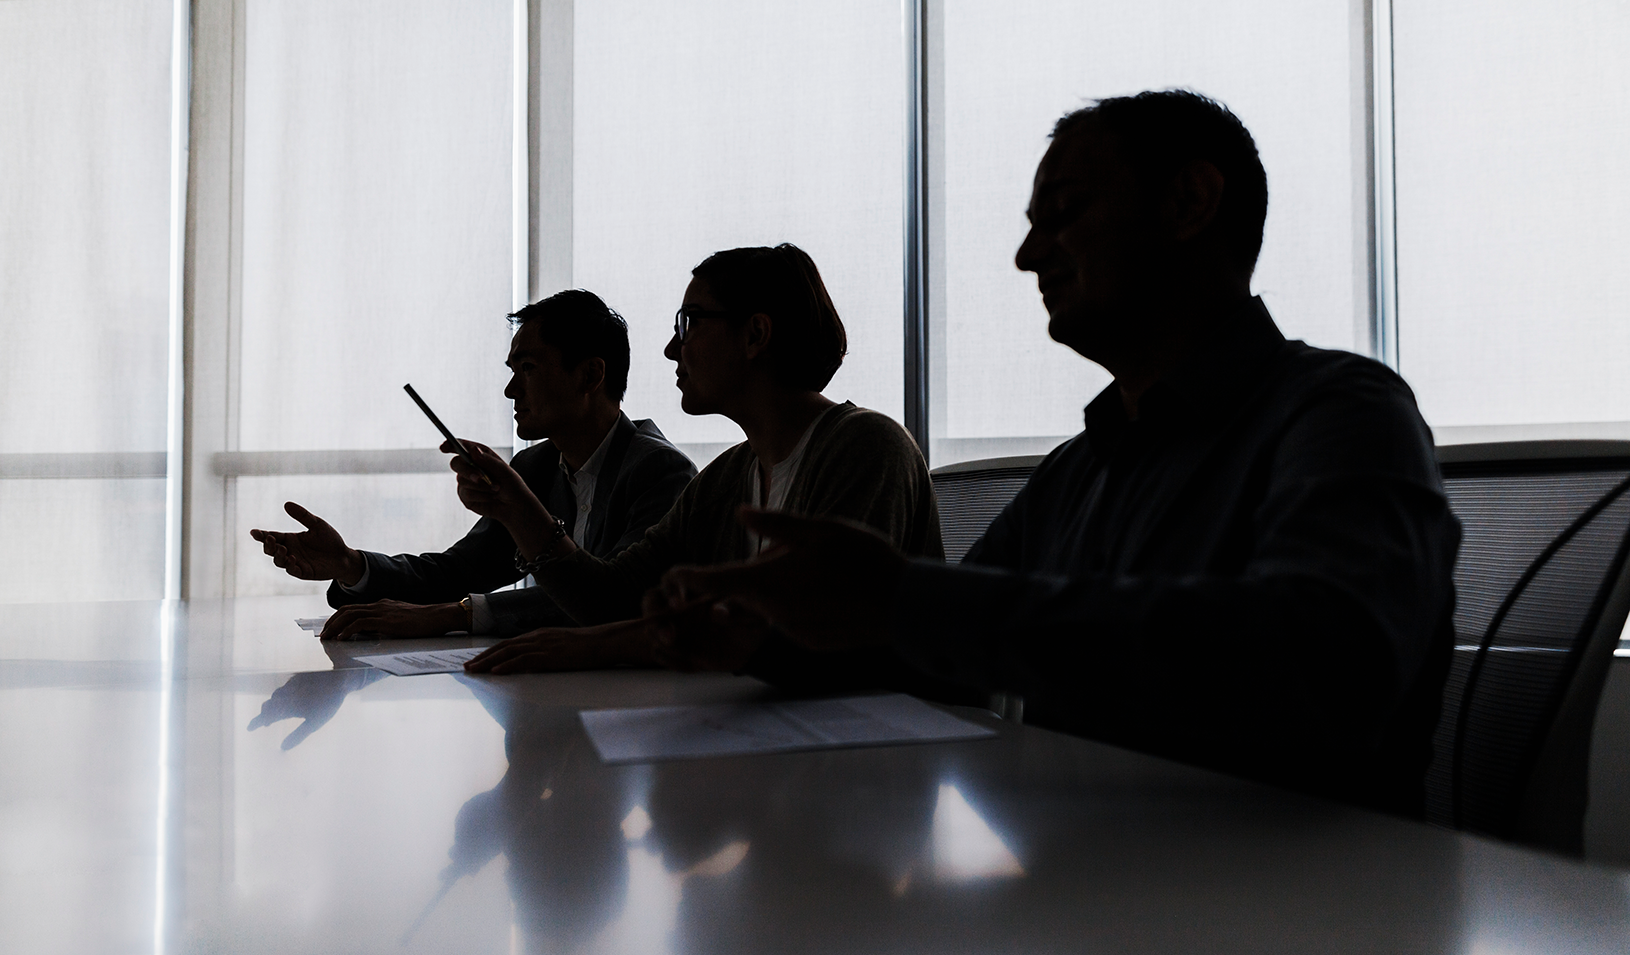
684 317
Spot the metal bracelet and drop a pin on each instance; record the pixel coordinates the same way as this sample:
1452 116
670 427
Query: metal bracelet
537 563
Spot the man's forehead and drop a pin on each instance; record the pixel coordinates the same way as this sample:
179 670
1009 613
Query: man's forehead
1085 151
525 343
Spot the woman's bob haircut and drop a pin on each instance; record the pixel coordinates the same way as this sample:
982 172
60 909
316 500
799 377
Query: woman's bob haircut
807 340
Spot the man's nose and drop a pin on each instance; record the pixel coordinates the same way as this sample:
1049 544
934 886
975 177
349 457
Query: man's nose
671 351
513 390
1025 257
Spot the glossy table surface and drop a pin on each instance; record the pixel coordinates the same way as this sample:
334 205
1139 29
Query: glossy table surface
211 779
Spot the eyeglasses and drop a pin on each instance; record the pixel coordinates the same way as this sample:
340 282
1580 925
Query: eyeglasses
686 317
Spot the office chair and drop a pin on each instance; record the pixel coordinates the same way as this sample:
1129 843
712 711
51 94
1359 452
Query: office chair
1541 599
972 493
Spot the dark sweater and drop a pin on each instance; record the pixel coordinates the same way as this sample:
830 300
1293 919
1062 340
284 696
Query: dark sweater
1255 575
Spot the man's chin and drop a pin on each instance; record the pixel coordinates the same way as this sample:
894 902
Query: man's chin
1080 330
1066 325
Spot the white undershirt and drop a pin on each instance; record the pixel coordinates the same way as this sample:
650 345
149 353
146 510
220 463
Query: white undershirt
781 477
582 484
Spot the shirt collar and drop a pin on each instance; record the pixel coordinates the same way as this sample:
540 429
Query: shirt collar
597 460
1236 346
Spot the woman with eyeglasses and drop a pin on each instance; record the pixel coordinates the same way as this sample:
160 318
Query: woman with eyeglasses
756 340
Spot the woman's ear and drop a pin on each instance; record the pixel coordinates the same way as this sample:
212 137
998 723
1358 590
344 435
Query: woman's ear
759 331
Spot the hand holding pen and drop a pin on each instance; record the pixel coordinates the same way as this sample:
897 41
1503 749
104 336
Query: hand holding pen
490 487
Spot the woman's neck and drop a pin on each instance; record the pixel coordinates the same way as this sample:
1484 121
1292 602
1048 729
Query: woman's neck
775 420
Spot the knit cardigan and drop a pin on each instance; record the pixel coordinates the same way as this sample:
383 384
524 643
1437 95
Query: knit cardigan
859 465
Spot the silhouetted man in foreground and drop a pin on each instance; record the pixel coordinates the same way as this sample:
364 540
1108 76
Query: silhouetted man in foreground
1243 561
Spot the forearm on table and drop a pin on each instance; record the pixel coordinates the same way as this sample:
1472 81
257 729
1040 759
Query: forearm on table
629 643
514 612
468 567
1289 644
626 643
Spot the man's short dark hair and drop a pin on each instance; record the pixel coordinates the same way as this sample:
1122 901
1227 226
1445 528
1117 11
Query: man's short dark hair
582 327
807 340
1162 130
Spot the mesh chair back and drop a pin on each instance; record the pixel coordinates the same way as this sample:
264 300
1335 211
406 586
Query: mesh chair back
1513 502
972 493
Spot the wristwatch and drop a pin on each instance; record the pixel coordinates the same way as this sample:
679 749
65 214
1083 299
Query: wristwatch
537 563
469 611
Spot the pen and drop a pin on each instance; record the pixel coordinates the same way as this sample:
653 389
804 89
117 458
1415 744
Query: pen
463 452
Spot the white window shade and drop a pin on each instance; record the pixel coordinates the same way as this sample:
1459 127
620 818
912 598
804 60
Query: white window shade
84 311
703 125
377 218
1292 71
1513 124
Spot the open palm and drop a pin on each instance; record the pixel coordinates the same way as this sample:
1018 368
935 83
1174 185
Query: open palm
316 553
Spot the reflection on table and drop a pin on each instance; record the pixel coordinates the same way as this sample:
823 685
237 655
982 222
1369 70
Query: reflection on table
226 802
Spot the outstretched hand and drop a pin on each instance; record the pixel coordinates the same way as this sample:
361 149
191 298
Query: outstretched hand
316 553
825 583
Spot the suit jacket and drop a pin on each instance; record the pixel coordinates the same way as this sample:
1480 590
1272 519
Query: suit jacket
639 481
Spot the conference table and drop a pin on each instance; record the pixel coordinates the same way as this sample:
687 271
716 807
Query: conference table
207 777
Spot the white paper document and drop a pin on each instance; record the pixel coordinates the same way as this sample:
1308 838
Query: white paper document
742 729
314 624
422 661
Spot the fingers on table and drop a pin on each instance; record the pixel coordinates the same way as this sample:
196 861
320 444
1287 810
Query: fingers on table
490 658
543 657
525 663
356 628
482 661
345 623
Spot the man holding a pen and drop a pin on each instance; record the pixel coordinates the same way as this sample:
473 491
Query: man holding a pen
569 368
